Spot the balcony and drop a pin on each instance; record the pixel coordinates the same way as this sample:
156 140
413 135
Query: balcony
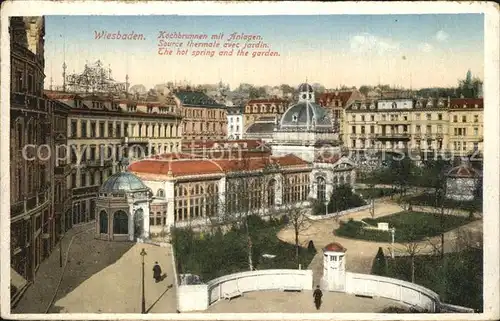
27 101
79 191
29 204
135 140
393 136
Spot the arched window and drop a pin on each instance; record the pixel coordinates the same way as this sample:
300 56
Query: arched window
271 192
138 222
120 223
335 181
160 193
321 193
342 180
103 222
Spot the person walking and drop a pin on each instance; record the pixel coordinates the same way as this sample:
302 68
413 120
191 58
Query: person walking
317 294
157 272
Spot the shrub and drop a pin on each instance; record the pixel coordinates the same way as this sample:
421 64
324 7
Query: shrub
379 266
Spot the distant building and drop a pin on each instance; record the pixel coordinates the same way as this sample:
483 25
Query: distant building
203 117
235 122
256 108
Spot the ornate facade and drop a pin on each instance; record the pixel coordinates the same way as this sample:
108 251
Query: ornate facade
202 117
102 132
258 108
442 125
34 225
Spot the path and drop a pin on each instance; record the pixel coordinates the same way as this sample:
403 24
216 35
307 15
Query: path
361 252
100 269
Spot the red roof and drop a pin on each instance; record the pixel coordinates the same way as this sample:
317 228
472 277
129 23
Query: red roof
249 143
467 102
334 247
177 166
344 96
464 171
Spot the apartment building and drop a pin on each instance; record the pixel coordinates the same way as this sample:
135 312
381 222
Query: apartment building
235 122
258 108
425 124
202 117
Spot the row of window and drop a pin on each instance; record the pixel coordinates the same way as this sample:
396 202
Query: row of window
424 144
95 129
429 117
388 129
265 109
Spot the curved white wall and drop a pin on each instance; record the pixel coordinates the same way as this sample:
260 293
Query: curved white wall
402 291
200 297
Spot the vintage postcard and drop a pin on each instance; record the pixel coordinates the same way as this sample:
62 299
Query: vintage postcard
249 161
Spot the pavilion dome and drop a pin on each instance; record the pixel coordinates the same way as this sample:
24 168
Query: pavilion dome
304 114
334 247
123 182
305 87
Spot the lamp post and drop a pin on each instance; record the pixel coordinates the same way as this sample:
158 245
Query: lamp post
393 230
326 207
143 303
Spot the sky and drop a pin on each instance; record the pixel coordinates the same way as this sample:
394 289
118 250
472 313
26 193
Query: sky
414 51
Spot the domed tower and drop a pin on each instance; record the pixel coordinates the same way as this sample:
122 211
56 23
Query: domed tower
306 92
123 208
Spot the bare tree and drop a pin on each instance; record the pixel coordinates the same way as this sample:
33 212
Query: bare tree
298 219
412 249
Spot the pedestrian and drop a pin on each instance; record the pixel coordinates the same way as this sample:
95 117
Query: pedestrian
317 294
157 272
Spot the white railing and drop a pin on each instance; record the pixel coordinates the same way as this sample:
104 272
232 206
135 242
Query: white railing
200 297
405 292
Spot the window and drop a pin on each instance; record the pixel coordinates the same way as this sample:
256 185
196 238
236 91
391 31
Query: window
384 117
92 179
440 116
440 129
476 118
83 180
372 117
455 118
362 118
464 119
103 222
476 131
160 193
475 146
372 129
417 116
19 81
353 129
110 129
101 129
120 223
84 128
353 143
73 128
118 129
428 129
417 129
428 116
30 83
270 192
93 129
321 186
73 180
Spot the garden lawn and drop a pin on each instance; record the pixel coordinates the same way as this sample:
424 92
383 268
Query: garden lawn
426 199
217 254
410 226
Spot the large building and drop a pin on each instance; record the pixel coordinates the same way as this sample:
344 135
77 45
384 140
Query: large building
104 130
257 108
428 125
202 117
34 227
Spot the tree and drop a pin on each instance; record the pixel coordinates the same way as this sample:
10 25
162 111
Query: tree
412 249
299 221
379 266
365 89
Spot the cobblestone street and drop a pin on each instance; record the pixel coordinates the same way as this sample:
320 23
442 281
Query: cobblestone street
101 277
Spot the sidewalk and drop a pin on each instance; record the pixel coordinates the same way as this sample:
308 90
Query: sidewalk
39 294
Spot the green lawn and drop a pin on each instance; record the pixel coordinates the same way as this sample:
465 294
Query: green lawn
214 255
458 279
425 199
376 192
410 226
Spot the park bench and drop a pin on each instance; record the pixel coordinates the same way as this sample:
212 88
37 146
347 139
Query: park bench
291 288
232 295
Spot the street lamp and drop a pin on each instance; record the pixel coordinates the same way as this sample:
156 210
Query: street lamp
143 306
393 230
326 207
